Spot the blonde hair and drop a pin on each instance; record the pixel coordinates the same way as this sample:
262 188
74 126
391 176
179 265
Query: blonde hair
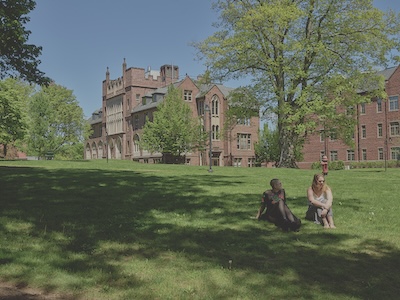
314 184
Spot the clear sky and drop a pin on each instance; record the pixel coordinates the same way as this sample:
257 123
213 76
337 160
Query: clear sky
81 38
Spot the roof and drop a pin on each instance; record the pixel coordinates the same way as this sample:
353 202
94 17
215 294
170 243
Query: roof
203 89
96 117
387 73
368 86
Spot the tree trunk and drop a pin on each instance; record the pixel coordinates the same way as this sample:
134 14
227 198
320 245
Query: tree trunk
287 157
5 150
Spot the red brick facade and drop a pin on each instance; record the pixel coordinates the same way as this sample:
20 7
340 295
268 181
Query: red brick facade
128 100
377 135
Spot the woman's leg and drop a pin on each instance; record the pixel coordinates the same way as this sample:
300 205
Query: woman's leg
289 214
291 221
325 222
330 221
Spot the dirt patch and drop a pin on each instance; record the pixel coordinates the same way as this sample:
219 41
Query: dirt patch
12 292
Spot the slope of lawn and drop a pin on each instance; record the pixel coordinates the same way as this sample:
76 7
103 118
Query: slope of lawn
123 230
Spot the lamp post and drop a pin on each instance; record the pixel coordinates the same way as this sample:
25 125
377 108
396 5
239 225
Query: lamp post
207 109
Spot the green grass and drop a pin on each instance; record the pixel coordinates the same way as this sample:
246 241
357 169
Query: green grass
122 230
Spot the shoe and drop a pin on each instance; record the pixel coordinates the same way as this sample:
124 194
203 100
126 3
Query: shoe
295 226
285 225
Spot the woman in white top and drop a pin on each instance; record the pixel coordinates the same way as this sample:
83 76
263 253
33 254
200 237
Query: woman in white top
320 197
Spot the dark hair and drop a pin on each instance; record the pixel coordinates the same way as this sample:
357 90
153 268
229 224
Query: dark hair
272 182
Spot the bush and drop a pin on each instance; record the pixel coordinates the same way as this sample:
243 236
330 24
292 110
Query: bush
332 165
374 164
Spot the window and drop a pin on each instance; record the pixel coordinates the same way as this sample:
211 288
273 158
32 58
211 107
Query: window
395 153
350 110
393 103
394 128
214 105
363 108
187 95
251 162
334 155
243 141
379 105
137 97
237 162
243 121
136 148
215 132
364 154
380 153
350 155
364 131
380 130
333 135
136 122
321 135
200 108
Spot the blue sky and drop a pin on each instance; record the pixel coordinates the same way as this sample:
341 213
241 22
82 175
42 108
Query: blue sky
81 38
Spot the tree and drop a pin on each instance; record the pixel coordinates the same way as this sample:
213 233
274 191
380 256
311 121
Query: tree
56 121
267 147
17 57
305 58
173 131
13 99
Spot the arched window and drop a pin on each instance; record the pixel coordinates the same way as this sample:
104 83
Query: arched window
94 150
100 149
215 105
88 152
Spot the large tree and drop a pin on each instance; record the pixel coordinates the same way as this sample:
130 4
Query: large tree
173 130
56 121
14 96
305 57
18 58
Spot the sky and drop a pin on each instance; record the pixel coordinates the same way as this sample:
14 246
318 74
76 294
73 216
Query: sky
81 38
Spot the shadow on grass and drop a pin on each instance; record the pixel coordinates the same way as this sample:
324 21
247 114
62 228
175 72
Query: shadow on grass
92 206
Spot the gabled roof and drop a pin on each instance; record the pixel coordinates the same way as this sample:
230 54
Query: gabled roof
387 73
205 88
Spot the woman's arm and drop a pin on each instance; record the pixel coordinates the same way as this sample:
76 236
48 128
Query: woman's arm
310 196
329 197
262 207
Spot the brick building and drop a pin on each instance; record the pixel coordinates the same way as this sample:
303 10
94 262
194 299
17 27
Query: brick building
376 136
128 100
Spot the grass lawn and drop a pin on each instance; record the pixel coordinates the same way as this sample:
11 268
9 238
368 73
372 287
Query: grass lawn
122 230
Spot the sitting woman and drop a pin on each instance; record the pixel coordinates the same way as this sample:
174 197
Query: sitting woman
277 211
320 202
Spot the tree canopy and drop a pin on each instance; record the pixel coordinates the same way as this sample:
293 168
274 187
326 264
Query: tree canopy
56 121
306 58
18 58
173 130
13 121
